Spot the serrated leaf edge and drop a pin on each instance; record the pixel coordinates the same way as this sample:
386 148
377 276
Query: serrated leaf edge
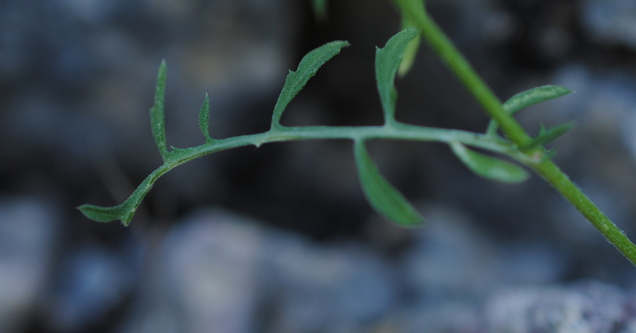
296 80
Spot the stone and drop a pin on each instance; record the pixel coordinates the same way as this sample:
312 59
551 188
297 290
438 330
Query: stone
28 236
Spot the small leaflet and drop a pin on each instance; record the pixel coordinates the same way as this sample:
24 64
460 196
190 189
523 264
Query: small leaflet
387 62
307 68
204 115
533 96
157 120
125 211
527 98
489 167
384 198
548 135
103 214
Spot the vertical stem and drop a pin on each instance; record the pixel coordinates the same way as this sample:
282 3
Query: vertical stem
562 183
546 168
464 71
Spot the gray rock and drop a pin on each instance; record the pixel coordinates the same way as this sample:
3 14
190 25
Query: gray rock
610 22
219 272
340 288
206 278
452 261
449 258
93 282
27 238
78 76
584 307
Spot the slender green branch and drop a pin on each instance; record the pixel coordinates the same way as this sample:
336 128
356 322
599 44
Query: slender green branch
543 166
387 200
394 131
562 183
463 70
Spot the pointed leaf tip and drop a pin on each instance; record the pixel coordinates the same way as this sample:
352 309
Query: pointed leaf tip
384 198
307 68
157 118
204 115
106 214
548 135
528 98
533 96
489 167
387 62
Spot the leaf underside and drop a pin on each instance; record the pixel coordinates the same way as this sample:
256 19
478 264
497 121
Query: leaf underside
489 167
384 198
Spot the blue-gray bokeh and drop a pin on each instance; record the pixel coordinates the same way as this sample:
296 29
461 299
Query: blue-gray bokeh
279 238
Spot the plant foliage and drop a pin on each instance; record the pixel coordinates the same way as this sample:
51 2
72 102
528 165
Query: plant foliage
396 57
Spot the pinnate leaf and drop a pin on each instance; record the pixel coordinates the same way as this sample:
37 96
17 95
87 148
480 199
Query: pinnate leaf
387 62
487 166
380 193
307 68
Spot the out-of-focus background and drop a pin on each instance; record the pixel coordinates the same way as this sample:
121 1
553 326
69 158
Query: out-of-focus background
280 238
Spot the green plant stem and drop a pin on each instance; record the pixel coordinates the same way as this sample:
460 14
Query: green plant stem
493 106
562 183
445 49
393 130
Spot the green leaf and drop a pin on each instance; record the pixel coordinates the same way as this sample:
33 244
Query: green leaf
127 209
204 115
487 166
307 68
320 9
381 195
157 120
408 21
548 135
387 61
527 98
104 214
533 96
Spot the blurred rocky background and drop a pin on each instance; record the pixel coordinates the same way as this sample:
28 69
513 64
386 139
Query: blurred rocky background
280 238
